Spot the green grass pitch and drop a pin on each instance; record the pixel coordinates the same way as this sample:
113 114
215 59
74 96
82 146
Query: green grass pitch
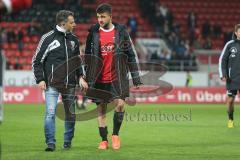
149 132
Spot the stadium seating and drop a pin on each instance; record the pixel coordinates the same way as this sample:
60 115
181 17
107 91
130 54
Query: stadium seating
45 15
223 12
215 11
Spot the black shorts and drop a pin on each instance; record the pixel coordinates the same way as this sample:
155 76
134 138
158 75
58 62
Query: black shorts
108 87
232 93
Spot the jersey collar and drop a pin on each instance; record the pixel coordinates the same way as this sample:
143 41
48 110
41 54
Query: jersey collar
107 30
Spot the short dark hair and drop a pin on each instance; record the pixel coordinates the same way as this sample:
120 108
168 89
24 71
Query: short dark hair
62 16
104 7
237 26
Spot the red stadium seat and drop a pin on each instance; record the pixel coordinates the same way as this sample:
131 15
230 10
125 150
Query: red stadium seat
13 46
26 39
5 46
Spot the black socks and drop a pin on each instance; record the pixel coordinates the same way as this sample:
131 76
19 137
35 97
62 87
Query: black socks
117 121
103 133
230 115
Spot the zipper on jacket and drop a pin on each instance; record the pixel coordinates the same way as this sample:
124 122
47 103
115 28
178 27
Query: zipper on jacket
229 72
66 56
52 72
91 47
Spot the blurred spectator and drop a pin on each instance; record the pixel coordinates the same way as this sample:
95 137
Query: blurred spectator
217 30
206 29
170 19
166 54
17 65
197 32
160 21
35 28
153 6
3 35
163 55
207 43
20 40
192 20
166 13
164 20
228 35
197 43
11 36
172 41
149 9
188 79
166 29
190 61
154 56
163 10
176 28
132 26
181 49
9 65
192 24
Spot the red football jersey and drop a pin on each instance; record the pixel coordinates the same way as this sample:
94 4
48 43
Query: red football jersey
107 38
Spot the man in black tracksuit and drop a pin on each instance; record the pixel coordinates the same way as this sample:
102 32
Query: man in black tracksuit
57 69
229 71
109 57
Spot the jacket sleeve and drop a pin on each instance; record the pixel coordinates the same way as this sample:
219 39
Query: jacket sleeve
223 62
89 60
79 71
88 49
37 60
133 62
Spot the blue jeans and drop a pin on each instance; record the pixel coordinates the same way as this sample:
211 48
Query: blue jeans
51 97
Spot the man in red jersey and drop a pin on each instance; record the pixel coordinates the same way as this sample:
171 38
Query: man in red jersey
112 57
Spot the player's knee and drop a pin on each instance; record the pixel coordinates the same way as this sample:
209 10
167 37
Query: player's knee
120 107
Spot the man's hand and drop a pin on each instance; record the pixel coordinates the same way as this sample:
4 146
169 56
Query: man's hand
223 79
83 84
138 86
42 85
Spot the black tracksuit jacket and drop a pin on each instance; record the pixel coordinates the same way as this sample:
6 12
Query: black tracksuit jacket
57 60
